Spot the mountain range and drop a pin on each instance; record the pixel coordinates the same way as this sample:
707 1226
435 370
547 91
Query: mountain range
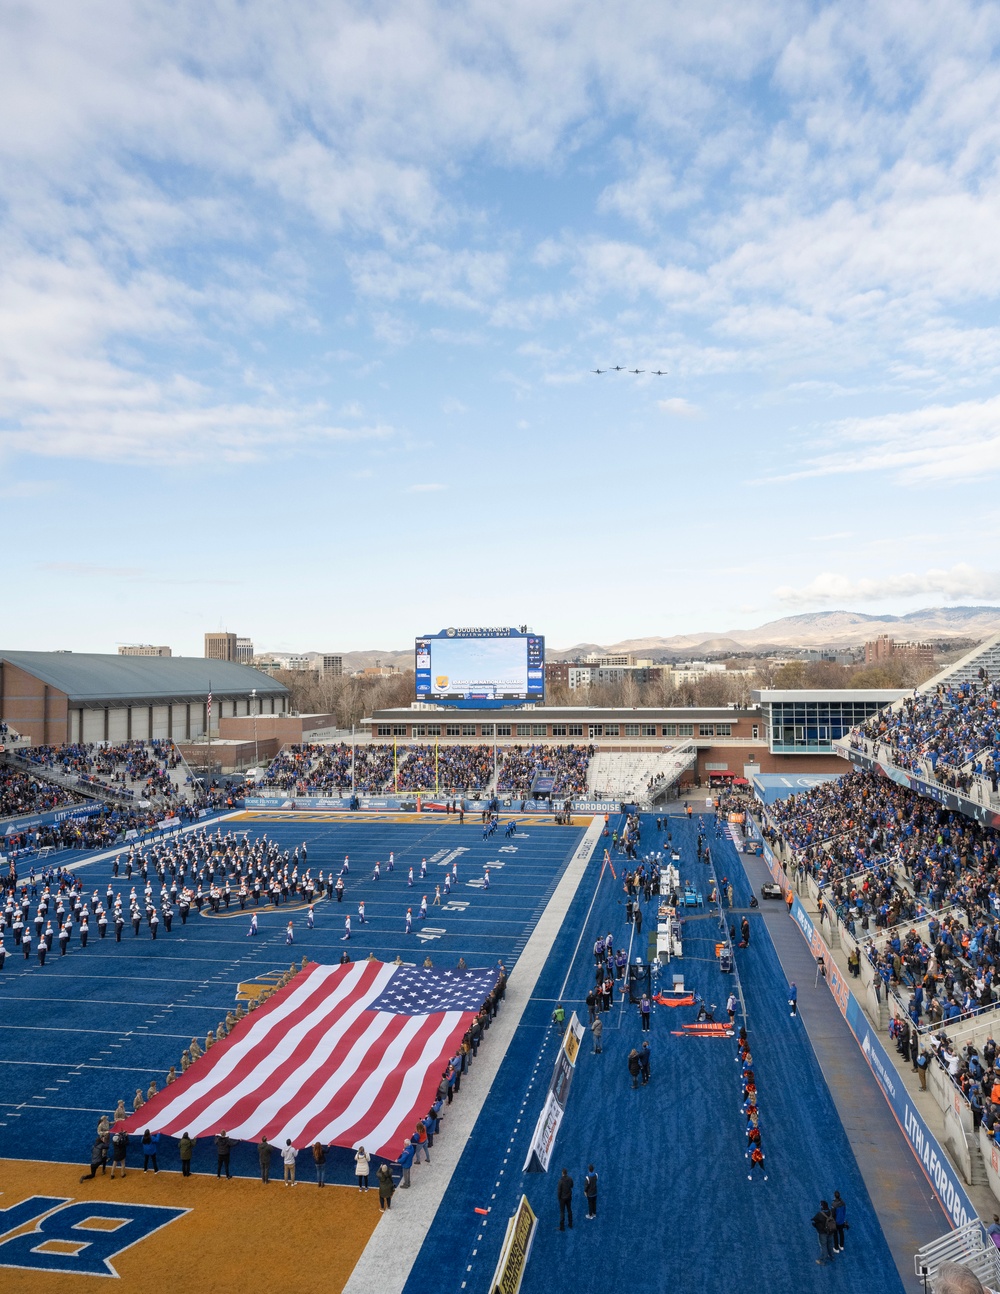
813 629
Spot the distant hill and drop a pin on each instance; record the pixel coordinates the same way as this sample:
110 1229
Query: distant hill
831 629
811 629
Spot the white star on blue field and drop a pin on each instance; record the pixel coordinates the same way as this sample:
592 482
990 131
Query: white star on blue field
414 990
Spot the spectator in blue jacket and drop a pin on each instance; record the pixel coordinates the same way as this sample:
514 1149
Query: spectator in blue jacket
840 1217
405 1160
150 1145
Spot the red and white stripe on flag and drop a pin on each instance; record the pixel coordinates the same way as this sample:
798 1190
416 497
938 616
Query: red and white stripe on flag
343 1055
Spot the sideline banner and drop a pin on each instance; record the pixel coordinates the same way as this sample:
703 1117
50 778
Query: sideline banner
516 1248
544 1136
540 1148
572 1039
35 820
949 799
940 1172
596 806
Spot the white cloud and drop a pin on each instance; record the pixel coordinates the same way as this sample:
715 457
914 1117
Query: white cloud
959 582
465 280
678 407
172 434
938 443
425 488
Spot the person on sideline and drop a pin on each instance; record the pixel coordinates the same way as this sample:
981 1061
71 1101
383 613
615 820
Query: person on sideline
385 1187
564 1194
288 1159
362 1165
264 1155
826 1228
839 1209
590 1192
185 1148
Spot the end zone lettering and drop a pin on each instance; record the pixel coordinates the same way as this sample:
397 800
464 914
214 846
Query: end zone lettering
76 1237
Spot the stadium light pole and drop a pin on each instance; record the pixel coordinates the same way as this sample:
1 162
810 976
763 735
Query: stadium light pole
253 698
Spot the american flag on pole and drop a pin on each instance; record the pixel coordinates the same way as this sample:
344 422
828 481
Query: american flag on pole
343 1055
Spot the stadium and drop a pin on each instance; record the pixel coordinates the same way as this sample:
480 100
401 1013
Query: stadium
432 965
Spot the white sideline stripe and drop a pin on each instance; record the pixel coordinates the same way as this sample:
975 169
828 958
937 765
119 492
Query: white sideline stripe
390 1254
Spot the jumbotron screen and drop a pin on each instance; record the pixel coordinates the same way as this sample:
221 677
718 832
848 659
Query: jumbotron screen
478 667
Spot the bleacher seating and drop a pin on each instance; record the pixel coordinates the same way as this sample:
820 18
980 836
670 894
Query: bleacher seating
884 855
23 793
129 770
522 764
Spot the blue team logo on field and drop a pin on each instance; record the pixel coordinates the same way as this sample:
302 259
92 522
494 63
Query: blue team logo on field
76 1236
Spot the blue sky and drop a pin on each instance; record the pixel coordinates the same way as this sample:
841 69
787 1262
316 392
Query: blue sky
298 305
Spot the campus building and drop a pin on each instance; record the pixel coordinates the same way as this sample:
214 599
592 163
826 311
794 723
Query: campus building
57 697
143 649
883 648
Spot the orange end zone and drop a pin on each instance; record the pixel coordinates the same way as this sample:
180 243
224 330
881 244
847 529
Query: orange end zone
198 1233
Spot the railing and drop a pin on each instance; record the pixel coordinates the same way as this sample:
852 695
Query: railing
969 1245
68 781
980 795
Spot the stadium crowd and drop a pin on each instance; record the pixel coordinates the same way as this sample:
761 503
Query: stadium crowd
21 793
134 769
894 858
566 764
380 768
953 733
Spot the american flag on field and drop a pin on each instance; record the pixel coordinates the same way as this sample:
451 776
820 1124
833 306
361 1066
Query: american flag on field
343 1055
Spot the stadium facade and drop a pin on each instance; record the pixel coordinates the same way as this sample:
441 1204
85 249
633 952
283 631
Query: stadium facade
742 741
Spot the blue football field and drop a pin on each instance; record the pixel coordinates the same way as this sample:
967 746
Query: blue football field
89 1028
676 1209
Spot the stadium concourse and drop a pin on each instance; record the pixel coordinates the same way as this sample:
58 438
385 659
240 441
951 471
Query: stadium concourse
676 1205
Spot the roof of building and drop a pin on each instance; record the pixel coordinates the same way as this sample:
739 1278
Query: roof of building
557 713
91 678
881 695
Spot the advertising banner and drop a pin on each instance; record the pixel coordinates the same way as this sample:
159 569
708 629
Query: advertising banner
516 1248
33 820
572 1038
543 1140
544 1136
943 1177
930 790
330 802
596 806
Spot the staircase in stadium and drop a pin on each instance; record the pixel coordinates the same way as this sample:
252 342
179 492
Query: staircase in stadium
970 1246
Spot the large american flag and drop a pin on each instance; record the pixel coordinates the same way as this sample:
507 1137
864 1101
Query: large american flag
343 1055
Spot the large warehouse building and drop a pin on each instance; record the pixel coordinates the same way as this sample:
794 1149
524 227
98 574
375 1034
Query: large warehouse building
57 697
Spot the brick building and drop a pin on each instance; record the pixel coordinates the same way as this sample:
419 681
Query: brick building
58 697
883 648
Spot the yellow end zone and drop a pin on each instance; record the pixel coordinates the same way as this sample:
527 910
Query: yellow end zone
201 1235
333 817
